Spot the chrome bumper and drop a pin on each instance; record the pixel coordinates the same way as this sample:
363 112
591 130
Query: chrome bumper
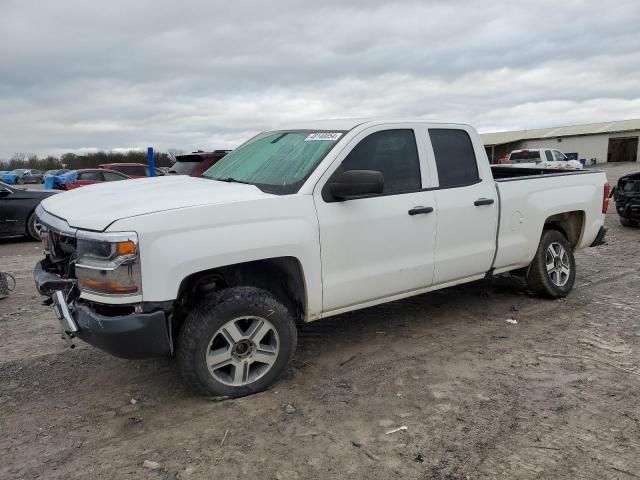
64 314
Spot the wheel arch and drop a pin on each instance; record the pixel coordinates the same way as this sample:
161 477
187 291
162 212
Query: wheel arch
283 277
570 224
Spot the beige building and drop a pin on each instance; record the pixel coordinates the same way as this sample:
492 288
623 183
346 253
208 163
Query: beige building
604 142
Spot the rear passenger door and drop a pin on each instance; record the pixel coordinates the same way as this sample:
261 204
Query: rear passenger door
467 207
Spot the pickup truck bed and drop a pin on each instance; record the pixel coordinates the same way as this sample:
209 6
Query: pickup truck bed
561 197
502 173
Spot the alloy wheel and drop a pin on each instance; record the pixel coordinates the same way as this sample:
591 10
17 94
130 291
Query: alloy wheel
242 350
558 264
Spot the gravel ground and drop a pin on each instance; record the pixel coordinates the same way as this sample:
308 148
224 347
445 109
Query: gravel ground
554 396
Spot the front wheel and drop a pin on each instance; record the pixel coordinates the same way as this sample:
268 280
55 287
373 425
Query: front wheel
552 272
236 343
33 227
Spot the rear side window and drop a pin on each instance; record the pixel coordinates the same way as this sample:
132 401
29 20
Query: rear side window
393 153
455 158
549 156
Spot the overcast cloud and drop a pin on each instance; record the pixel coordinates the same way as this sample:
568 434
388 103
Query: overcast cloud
80 75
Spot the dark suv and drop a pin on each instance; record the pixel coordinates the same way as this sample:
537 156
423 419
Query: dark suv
196 163
627 197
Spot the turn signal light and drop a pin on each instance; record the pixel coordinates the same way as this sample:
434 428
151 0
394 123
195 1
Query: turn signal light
106 287
126 248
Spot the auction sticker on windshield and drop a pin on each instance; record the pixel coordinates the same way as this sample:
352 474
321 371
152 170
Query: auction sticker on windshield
330 136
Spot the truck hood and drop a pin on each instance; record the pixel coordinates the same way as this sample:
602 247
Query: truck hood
95 207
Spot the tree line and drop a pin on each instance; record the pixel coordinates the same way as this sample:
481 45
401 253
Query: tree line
75 161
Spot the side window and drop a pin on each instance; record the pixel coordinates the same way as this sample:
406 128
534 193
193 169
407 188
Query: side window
131 170
392 152
549 156
110 176
94 176
559 156
455 158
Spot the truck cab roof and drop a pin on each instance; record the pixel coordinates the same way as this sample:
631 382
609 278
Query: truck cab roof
346 124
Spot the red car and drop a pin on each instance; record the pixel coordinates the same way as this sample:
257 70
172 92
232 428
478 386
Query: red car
89 176
131 170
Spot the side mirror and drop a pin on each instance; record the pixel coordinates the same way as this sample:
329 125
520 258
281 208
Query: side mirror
356 183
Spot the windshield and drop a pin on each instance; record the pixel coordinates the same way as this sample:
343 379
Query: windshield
183 168
275 162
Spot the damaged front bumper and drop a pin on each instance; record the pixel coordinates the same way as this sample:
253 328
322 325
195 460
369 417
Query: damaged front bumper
134 331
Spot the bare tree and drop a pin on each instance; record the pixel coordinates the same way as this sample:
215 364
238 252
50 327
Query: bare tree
19 157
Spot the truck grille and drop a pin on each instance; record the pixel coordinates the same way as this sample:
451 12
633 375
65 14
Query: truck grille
59 242
61 247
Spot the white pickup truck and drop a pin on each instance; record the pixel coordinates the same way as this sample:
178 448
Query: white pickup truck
542 157
295 225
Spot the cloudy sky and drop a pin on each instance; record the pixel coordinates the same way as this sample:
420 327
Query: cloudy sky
80 75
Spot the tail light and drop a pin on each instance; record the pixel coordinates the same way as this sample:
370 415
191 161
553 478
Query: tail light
605 197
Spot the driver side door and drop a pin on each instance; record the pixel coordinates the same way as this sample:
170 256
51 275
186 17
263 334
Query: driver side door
561 160
8 212
381 245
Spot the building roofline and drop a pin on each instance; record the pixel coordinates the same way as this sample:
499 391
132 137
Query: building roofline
616 126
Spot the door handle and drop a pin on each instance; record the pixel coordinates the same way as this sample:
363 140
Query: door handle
420 210
483 201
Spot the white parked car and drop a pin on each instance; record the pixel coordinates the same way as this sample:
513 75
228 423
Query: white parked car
542 158
299 224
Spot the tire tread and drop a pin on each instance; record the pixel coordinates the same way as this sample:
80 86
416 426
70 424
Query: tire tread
537 278
196 324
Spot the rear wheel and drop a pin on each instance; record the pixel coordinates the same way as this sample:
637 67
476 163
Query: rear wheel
236 343
552 272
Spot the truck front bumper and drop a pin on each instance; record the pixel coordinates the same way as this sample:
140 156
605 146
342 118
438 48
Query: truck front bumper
132 335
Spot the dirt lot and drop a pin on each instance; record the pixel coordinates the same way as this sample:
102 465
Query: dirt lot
554 396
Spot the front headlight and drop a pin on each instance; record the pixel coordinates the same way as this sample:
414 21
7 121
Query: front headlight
108 263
